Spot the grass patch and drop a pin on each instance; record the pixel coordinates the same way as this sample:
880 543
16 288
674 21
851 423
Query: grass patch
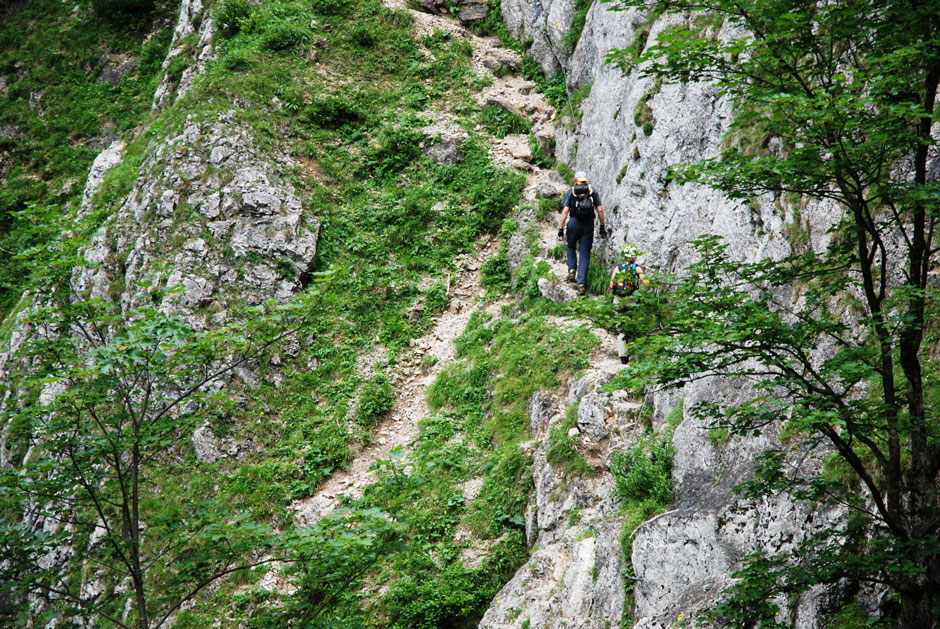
563 448
500 123
570 39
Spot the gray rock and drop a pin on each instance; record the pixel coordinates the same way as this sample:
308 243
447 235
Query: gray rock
192 22
548 190
116 68
588 383
540 408
445 152
593 414
516 250
559 293
502 61
210 448
472 11
104 162
573 578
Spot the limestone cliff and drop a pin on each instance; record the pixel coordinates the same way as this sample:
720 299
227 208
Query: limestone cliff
629 132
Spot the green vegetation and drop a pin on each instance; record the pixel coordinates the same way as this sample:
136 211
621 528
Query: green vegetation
643 482
74 82
570 39
500 123
598 277
563 448
850 89
643 114
394 220
107 458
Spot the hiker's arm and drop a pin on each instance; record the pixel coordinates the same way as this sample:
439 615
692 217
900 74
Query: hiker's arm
564 217
643 280
600 214
613 274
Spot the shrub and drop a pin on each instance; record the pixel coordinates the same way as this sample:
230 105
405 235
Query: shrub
644 472
397 149
333 112
284 34
238 59
375 399
233 16
563 448
598 278
331 7
364 36
501 123
496 275
570 39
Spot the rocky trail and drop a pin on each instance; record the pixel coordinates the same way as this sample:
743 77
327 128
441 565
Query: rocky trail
428 355
571 553
400 428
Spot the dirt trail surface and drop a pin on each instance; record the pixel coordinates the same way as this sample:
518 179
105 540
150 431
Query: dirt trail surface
413 377
400 428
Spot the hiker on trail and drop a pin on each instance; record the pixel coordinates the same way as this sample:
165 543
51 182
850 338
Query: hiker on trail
625 279
578 209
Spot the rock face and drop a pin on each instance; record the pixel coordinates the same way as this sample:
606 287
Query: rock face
467 11
573 579
630 133
194 29
246 237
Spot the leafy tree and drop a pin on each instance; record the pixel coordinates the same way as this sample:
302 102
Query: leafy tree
99 403
836 340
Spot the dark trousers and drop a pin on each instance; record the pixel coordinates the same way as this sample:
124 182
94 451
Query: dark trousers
580 239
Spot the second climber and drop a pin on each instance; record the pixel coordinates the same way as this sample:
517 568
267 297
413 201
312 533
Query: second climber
578 210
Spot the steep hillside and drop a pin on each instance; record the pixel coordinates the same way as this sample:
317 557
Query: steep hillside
301 351
71 82
632 129
369 159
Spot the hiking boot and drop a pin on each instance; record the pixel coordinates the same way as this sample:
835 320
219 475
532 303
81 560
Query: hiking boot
582 289
571 275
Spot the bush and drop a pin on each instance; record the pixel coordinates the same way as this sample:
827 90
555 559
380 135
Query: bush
397 149
598 278
333 112
644 472
375 399
496 275
284 34
364 36
238 59
501 123
563 448
233 16
331 7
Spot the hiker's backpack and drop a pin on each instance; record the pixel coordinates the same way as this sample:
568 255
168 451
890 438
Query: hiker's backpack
582 204
629 279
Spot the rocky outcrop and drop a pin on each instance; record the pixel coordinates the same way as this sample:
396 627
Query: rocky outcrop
193 32
221 211
467 11
573 578
630 132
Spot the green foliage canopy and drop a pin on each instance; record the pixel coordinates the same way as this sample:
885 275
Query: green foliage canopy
834 339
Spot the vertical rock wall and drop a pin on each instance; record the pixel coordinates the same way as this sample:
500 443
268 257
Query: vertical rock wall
631 131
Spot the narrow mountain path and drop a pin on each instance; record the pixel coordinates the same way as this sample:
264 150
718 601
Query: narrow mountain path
416 371
429 354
